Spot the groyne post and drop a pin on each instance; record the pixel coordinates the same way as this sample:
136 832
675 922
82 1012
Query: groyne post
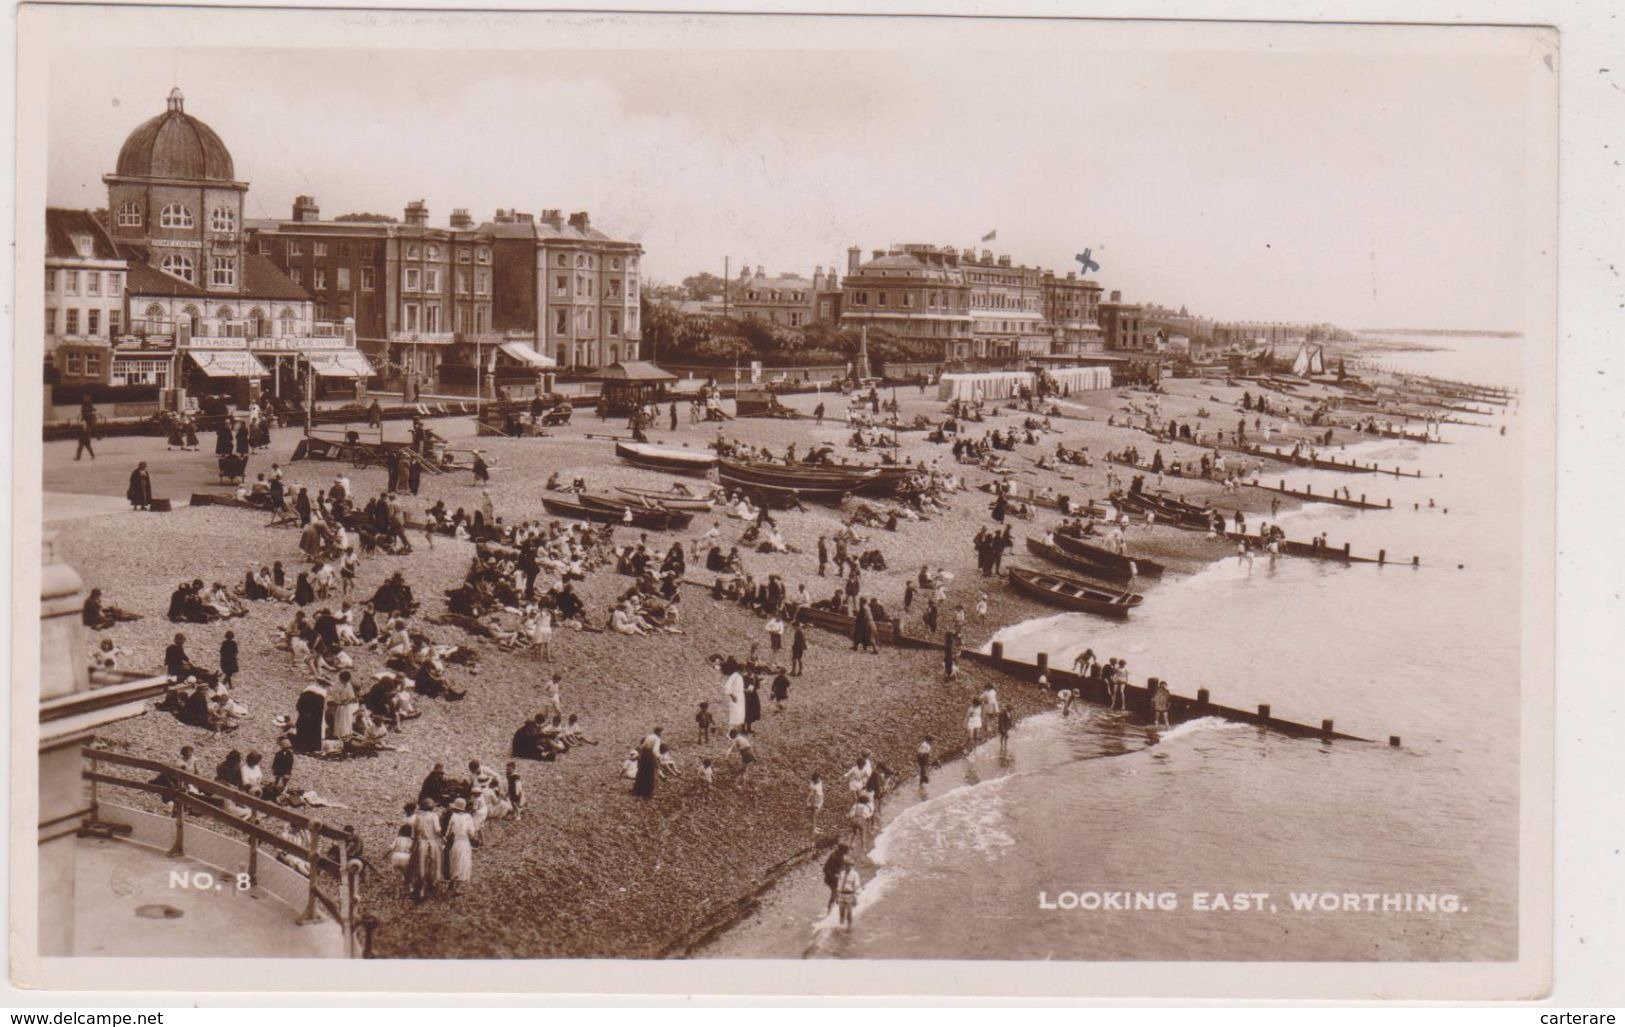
998 654
1326 729
1043 663
1264 713
1393 741
1382 556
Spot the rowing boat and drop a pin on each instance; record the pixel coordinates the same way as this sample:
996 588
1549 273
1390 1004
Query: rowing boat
656 520
660 458
674 518
1076 564
670 500
1122 565
1074 593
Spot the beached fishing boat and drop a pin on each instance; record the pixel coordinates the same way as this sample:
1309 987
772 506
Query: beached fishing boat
1076 564
1121 564
661 458
794 475
780 495
1074 593
655 520
675 518
670 500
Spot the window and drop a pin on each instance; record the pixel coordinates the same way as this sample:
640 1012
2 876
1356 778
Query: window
72 327
431 317
285 321
51 279
154 312
175 215
318 249
223 271
129 215
431 280
480 320
364 250
614 323
462 283
297 274
93 322
76 364
115 323
482 283
412 251
93 365
561 262
412 276
464 255
561 321
369 279
223 219
296 248
343 279
615 263
632 321
908 299
796 318
410 317
179 266
50 320
581 260
614 290
73 282
432 252
320 279
881 300
344 249
860 299
484 255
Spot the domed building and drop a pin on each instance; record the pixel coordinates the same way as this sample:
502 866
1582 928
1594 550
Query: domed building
205 314
175 194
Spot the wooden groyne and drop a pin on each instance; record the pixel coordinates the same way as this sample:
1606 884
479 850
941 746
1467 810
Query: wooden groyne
1310 495
1138 698
1326 463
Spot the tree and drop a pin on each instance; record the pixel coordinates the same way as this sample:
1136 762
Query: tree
703 285
375 219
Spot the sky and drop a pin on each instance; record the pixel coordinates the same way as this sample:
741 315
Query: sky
1382 188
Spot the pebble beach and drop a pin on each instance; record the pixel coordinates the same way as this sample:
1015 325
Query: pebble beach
588 871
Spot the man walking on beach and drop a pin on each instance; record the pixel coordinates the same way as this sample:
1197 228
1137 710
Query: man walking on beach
922 759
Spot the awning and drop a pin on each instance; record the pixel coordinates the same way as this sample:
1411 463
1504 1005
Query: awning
523 353
228 363
343 364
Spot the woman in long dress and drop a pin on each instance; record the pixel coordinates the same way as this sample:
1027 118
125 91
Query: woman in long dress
460 837
424 870
140 492
311 708
643 785
753 702
733 686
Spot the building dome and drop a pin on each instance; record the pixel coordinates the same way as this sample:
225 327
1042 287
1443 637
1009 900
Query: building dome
175 145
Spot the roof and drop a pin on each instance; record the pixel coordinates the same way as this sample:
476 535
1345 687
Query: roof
634 371
788 283
63 225
262 280
175 145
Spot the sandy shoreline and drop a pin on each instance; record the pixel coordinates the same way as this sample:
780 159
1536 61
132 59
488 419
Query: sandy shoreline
589 871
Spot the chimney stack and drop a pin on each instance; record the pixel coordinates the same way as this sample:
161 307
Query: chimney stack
579 220
759 272
853 257
417 213
305 209
1004 261
553 217
1117 295
460 218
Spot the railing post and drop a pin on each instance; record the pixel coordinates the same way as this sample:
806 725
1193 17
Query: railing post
345 907
177 796
253 860
312 854
95 815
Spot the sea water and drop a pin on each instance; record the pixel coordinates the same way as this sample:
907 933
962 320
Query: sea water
1219 841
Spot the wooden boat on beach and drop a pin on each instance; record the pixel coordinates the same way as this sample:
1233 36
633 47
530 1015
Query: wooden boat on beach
1120 565
655 520
1075 564
670 500
779 496
675 518
1073 593
661 458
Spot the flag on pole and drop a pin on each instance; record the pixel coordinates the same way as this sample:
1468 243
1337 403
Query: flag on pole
989 237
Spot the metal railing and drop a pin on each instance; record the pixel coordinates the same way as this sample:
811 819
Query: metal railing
204 799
